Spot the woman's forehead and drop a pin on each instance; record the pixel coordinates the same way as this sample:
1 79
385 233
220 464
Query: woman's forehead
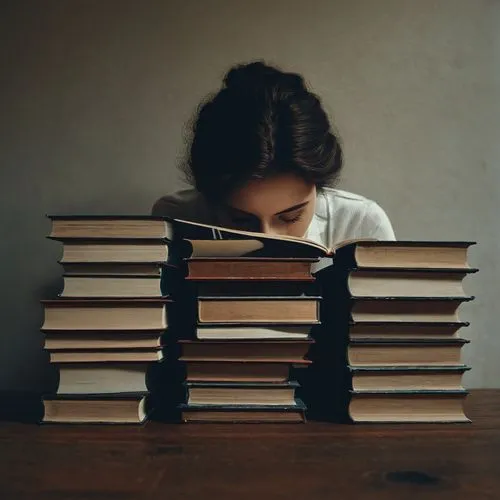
272 195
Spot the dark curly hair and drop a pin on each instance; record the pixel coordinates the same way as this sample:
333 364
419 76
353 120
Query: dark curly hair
263 121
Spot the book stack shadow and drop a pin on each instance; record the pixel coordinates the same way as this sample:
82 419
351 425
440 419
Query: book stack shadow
104 332
390 345
250 334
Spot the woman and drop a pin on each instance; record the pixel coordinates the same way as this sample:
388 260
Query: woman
263 158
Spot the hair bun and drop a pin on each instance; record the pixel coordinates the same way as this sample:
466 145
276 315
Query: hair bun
258 75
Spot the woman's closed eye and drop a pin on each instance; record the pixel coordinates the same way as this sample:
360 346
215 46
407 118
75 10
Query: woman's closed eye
291 218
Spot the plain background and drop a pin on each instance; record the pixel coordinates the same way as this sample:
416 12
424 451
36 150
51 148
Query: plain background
95 96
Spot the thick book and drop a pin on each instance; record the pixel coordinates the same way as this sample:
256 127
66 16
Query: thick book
111 286
244 350
380 378
372 282
302 309
405 254
105 314
382 352
110 226
252 269
252 331
405 330
232 393
407 309
408 406
114 251
109 356
102 378
57 340
294 413
255 288
96 409
112 268
206 370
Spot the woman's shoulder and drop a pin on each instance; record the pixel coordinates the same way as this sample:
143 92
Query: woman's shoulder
353 215
183 204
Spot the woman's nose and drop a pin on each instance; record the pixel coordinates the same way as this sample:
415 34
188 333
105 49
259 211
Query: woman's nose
266 227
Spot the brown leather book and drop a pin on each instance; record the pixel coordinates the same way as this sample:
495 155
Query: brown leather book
100 356
405 352
405 254
105 314
258 310
408 406
407 309
206 370
246 268
229 393
96 409
405 330
244 350
370 378
244 413
57 340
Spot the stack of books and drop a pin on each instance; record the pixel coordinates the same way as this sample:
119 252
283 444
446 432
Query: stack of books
253 319
105 329
391 336
245 313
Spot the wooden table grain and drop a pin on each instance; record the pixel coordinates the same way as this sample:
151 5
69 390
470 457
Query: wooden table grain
259 462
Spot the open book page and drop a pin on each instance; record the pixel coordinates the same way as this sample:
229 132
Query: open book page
236 242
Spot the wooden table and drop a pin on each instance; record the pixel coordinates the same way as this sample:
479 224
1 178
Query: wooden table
259 462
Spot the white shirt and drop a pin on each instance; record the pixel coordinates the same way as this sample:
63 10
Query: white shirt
339 215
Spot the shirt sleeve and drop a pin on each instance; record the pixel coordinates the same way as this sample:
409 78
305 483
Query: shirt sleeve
376 223
165 207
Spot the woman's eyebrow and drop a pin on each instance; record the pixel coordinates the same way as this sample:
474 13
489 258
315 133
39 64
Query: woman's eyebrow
242 212
292 209
287 210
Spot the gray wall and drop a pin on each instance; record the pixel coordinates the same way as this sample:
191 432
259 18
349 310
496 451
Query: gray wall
94 95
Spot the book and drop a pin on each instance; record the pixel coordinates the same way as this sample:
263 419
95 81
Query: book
109 226
249 332
405 330
105 314
243 350
405 254
405 352
244 414
371 378
227 393
258 310
256 288
94 356
97 409
123 251
370 282
60 340
102 378
407 309
111 286
206 370
112 268
252 269
408 406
